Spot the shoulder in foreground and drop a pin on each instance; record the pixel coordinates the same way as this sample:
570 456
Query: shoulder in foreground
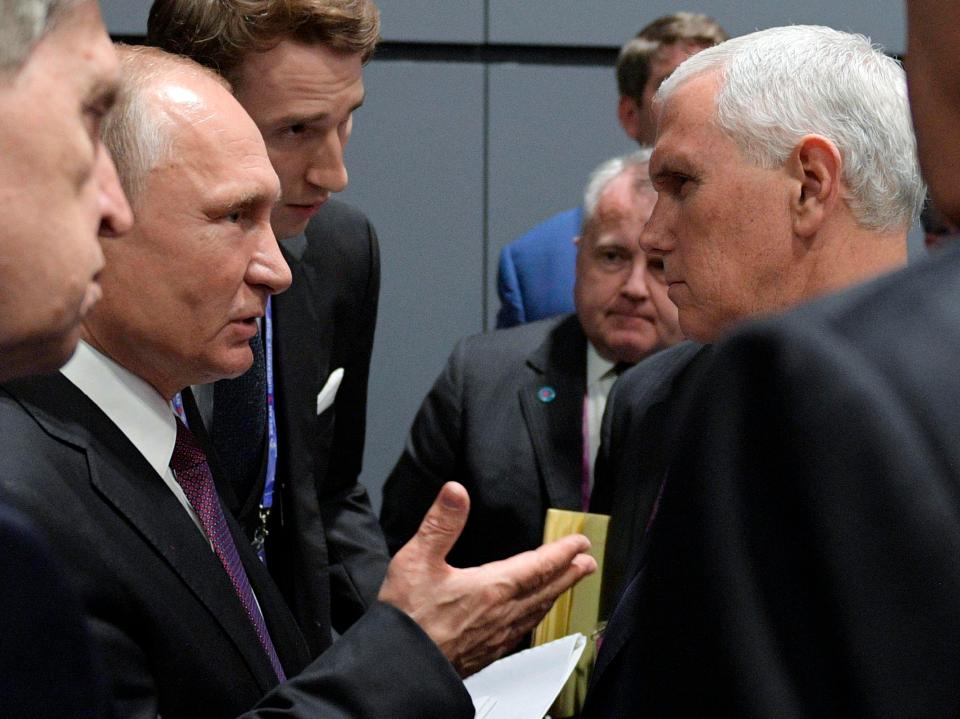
660 366
903 311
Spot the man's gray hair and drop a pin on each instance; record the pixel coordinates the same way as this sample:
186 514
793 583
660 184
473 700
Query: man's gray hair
780 84
23 23
607 171
136 131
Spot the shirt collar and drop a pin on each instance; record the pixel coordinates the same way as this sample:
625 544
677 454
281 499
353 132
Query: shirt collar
132 404
597 366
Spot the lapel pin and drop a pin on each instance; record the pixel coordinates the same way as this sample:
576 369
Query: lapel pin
546 394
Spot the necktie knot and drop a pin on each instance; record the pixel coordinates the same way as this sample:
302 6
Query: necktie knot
187 452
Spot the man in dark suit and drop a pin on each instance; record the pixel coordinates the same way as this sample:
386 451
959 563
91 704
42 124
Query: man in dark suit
767 276
515 415
296 67
535 274
777 581
185 616
51 98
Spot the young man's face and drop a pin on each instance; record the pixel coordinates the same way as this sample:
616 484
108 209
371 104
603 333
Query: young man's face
302 97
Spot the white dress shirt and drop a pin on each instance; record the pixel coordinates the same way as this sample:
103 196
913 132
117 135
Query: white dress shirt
600 378
135 407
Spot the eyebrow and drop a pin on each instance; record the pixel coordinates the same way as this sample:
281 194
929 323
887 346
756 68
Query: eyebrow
251 199
674 166
293 119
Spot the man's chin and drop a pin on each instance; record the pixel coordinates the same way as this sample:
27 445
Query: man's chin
236 363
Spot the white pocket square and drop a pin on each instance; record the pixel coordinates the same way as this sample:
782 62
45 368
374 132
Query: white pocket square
329 391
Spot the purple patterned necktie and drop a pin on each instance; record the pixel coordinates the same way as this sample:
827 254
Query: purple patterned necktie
189 464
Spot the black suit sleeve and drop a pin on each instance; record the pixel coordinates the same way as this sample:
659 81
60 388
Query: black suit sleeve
47 667
806 558
384 666
431 456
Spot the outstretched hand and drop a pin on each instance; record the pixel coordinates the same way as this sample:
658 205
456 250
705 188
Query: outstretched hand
477 614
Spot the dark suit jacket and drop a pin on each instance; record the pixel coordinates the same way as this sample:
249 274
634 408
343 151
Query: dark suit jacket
484 425
630 466
166 621
536 272
806 558
325 547
47 668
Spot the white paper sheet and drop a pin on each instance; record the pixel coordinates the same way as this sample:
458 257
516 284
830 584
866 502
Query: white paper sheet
524 685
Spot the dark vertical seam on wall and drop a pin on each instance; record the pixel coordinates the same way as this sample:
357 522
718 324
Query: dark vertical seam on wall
485 203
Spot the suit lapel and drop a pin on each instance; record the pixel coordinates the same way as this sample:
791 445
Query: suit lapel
623 619
301 369
669 389
552 403
304 313
126 481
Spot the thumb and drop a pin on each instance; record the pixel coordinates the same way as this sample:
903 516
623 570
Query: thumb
442 524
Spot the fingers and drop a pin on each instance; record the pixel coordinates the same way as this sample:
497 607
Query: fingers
532 570
443 523
541 599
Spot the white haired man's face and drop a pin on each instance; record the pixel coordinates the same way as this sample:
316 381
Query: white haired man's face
619 292
58 188
721 224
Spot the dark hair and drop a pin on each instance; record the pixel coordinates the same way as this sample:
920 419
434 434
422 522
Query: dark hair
221 33
633 63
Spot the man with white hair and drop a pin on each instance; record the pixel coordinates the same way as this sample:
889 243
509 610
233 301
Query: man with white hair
785 168
515 414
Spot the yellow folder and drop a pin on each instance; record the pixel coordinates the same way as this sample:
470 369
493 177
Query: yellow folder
577 609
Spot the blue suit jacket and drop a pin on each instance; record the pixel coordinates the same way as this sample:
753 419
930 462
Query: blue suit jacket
535 278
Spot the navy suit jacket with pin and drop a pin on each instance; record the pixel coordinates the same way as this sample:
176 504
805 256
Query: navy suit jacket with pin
504 418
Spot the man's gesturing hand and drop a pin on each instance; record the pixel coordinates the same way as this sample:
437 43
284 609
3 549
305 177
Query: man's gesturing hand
475 615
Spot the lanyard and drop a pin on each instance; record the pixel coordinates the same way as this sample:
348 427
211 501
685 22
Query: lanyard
266 501
177 403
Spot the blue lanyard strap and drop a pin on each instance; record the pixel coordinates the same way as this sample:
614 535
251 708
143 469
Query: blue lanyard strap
178 410
267 501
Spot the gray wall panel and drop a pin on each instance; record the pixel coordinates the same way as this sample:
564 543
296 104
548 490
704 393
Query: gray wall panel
573 22
126 17
432 20
416 159
549 127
